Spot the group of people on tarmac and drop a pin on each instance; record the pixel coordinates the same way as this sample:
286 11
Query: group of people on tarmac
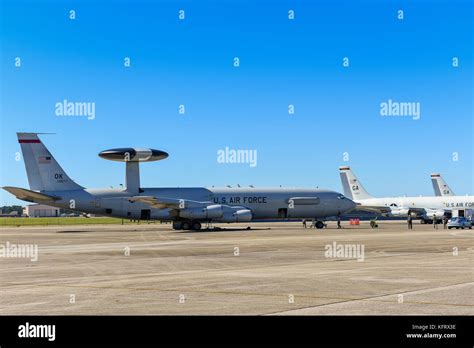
409 222
435 222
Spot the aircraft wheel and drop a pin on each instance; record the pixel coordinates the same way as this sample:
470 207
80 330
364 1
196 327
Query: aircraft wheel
319 225
186 225
196 225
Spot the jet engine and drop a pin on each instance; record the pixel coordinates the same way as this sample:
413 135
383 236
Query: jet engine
236 215
430 213
399 212
209 212
217 212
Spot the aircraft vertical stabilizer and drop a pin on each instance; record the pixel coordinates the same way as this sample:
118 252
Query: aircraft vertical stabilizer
353 189
439 186
44 173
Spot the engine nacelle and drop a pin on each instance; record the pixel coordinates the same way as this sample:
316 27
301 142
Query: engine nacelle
432 213
240 215
399 212
210 212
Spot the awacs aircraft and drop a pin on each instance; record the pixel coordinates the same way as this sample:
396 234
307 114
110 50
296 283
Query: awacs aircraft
427 208
439 186
188 208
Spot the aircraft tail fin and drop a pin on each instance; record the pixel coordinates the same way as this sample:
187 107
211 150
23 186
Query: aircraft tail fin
439 186
44 173
353 189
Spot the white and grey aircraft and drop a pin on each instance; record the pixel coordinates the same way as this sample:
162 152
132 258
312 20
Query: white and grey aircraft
188 208
440 186
427 208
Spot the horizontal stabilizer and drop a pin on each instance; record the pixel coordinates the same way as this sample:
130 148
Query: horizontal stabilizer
30 196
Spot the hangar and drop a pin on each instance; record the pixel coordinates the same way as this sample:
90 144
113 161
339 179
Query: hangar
40 210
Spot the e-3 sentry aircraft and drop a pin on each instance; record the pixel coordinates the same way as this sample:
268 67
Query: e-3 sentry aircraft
427 208
188 208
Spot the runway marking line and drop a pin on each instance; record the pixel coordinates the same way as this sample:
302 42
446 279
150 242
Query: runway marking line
224 292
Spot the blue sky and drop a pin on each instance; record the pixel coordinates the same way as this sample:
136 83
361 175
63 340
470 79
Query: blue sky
283 62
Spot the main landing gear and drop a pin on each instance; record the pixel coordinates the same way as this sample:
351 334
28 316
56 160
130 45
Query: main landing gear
187 225
319 225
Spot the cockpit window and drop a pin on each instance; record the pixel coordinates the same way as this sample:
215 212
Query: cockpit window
341 196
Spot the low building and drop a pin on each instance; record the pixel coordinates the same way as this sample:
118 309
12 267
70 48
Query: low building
40 210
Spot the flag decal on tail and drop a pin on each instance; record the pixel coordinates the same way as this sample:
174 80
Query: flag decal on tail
29 141
44 159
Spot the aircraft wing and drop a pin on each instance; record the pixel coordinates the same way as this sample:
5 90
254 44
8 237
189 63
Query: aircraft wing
165 202
373 209
388 210
30 196
418 210
156 202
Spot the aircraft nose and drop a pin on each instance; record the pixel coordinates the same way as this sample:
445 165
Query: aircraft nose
345 204
350 205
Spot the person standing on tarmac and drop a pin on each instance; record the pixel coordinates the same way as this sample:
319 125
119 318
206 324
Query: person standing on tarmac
339 221
445 222
410 221
435 222
304 223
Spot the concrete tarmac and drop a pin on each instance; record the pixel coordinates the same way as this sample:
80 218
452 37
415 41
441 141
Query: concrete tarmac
273 268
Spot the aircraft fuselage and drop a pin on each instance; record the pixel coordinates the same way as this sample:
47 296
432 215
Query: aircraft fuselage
269 203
